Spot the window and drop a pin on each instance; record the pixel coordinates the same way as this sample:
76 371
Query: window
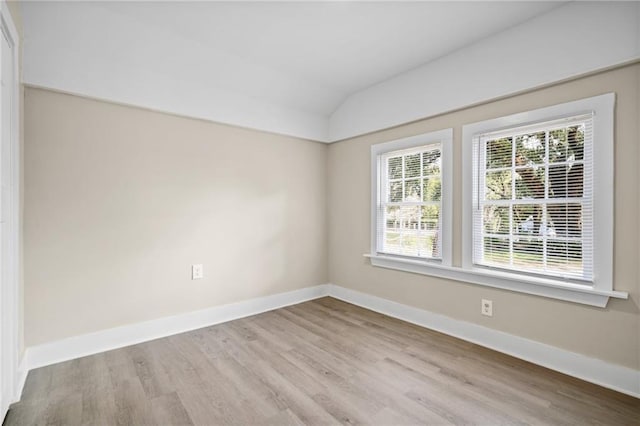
533 198
411 198
537 203
538 200
410 202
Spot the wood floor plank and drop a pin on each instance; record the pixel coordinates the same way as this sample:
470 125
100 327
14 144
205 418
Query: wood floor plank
169 410
98 398
64 411
267 367
132 405
154 379
321 362
285 418
206 394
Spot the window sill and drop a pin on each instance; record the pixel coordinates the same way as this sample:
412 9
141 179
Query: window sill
530 285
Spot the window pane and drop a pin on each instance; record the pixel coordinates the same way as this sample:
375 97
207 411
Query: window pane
496 219
498 153
412 165
410 217
395 168
575 143
530 183
430 218
418 245
530 149
547 228
393 224
527 219
498 185
430 229
566 180
431 189
527 253
395 192
431 163
558 145
564 256
392 218
392 242
425 246
412 190
496 251
412 230
566 144
565 219
409 243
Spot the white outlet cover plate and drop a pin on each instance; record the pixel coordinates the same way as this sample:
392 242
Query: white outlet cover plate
197 272
487 307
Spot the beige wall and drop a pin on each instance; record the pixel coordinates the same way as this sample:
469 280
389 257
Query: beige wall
120 201
611 334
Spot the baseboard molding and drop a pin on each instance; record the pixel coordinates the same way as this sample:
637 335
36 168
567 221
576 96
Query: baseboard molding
612 376
114 338
16 392
23 370
621 379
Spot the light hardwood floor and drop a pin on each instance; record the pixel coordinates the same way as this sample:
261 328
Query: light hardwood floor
319 362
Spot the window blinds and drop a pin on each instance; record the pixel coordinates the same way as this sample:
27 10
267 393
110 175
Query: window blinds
533 198
409 202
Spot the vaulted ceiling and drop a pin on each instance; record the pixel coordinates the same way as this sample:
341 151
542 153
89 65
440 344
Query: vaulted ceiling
289 67
310 56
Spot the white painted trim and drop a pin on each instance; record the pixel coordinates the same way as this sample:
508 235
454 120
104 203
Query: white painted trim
23 371
576 293
113 338
13 225
612 376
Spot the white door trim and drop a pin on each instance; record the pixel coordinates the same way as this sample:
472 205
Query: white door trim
10 301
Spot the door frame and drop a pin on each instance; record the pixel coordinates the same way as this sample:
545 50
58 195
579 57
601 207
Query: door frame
10 306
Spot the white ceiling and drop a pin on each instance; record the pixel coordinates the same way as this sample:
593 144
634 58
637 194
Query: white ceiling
328 50
317 70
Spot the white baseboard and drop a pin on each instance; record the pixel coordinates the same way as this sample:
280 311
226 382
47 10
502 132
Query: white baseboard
612 376
621 379
105 340
7 400
23 370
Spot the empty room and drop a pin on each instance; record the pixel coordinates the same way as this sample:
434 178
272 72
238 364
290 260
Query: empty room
320 212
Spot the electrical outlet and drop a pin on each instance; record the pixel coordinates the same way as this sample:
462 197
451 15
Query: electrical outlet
487 307
197 272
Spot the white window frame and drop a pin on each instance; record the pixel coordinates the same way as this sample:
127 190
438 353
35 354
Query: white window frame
598 292
445 139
